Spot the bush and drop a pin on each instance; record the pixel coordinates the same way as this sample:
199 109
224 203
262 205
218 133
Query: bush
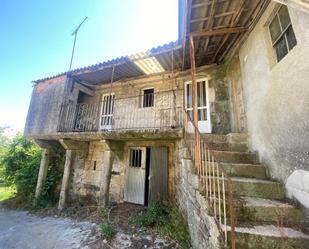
108 230
156 214
167 220
21 163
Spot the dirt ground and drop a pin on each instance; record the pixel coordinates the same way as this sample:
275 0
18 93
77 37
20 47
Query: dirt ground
47 230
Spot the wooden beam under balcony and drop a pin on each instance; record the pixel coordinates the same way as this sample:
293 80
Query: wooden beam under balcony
216 32
84 89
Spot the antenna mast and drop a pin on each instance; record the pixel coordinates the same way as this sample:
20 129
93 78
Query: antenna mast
75 34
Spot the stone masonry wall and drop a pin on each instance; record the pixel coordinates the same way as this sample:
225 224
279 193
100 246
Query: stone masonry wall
202 227
87 172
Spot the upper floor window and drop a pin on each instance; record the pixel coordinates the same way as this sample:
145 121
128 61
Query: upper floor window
282 33
148 98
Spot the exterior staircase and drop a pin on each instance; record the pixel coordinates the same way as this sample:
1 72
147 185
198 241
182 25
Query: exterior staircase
264 218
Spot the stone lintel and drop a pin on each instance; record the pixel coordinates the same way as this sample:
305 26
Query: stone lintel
69 144
44 144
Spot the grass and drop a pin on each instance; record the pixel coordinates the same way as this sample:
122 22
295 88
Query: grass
6 192
108 230
167 220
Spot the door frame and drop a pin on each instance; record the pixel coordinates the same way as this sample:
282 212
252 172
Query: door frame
206 79
106 127
127 168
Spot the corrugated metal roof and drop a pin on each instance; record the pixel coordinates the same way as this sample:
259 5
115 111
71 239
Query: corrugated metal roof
125 67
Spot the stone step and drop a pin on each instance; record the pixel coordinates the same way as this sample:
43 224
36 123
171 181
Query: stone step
214 138
228 147
245 170
266 210
237 138
235 157
249 187
269 237
258 188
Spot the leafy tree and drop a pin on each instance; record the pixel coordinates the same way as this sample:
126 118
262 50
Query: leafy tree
21 164
4 141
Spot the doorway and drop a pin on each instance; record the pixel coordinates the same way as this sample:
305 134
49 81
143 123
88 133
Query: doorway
107 111
204 123
146 175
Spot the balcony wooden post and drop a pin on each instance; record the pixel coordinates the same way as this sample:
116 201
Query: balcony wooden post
195 111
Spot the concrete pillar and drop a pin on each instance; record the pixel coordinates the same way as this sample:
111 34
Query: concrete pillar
108 160
66 178
42 172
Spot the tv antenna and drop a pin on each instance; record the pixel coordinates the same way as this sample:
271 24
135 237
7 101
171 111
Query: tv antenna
75 34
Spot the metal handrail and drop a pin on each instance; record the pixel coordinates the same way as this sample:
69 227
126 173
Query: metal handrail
214 179
155 111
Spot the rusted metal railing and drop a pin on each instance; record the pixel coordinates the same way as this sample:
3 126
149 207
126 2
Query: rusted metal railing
155 111
216 185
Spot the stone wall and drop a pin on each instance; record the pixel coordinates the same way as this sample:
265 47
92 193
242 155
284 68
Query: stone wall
128 102
202 227
87 174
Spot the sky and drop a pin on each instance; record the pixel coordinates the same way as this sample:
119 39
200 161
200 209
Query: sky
36 41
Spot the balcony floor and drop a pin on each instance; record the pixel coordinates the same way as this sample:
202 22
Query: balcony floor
140 134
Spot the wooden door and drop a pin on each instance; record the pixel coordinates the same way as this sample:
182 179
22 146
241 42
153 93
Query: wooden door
134 190
239 118
158 176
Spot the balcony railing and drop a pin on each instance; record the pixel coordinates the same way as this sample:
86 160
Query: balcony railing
155 111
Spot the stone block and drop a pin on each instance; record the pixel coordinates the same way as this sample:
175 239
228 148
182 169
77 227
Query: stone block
240 138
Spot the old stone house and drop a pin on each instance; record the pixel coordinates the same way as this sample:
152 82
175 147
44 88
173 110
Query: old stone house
216 122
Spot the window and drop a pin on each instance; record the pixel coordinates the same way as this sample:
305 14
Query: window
148 98
282 33
135 159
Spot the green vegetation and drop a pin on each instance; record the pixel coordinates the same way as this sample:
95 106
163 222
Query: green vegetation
108 230
167 220
19 167
6 192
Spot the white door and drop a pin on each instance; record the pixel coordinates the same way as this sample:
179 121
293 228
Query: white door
204 124
107 111
134 190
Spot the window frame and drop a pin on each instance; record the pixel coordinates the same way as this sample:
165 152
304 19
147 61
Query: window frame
283 32
109 127
137 160
143 97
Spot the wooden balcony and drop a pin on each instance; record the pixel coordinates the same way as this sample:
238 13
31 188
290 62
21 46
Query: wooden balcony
150 113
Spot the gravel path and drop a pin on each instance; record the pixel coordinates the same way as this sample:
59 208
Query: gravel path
21 230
